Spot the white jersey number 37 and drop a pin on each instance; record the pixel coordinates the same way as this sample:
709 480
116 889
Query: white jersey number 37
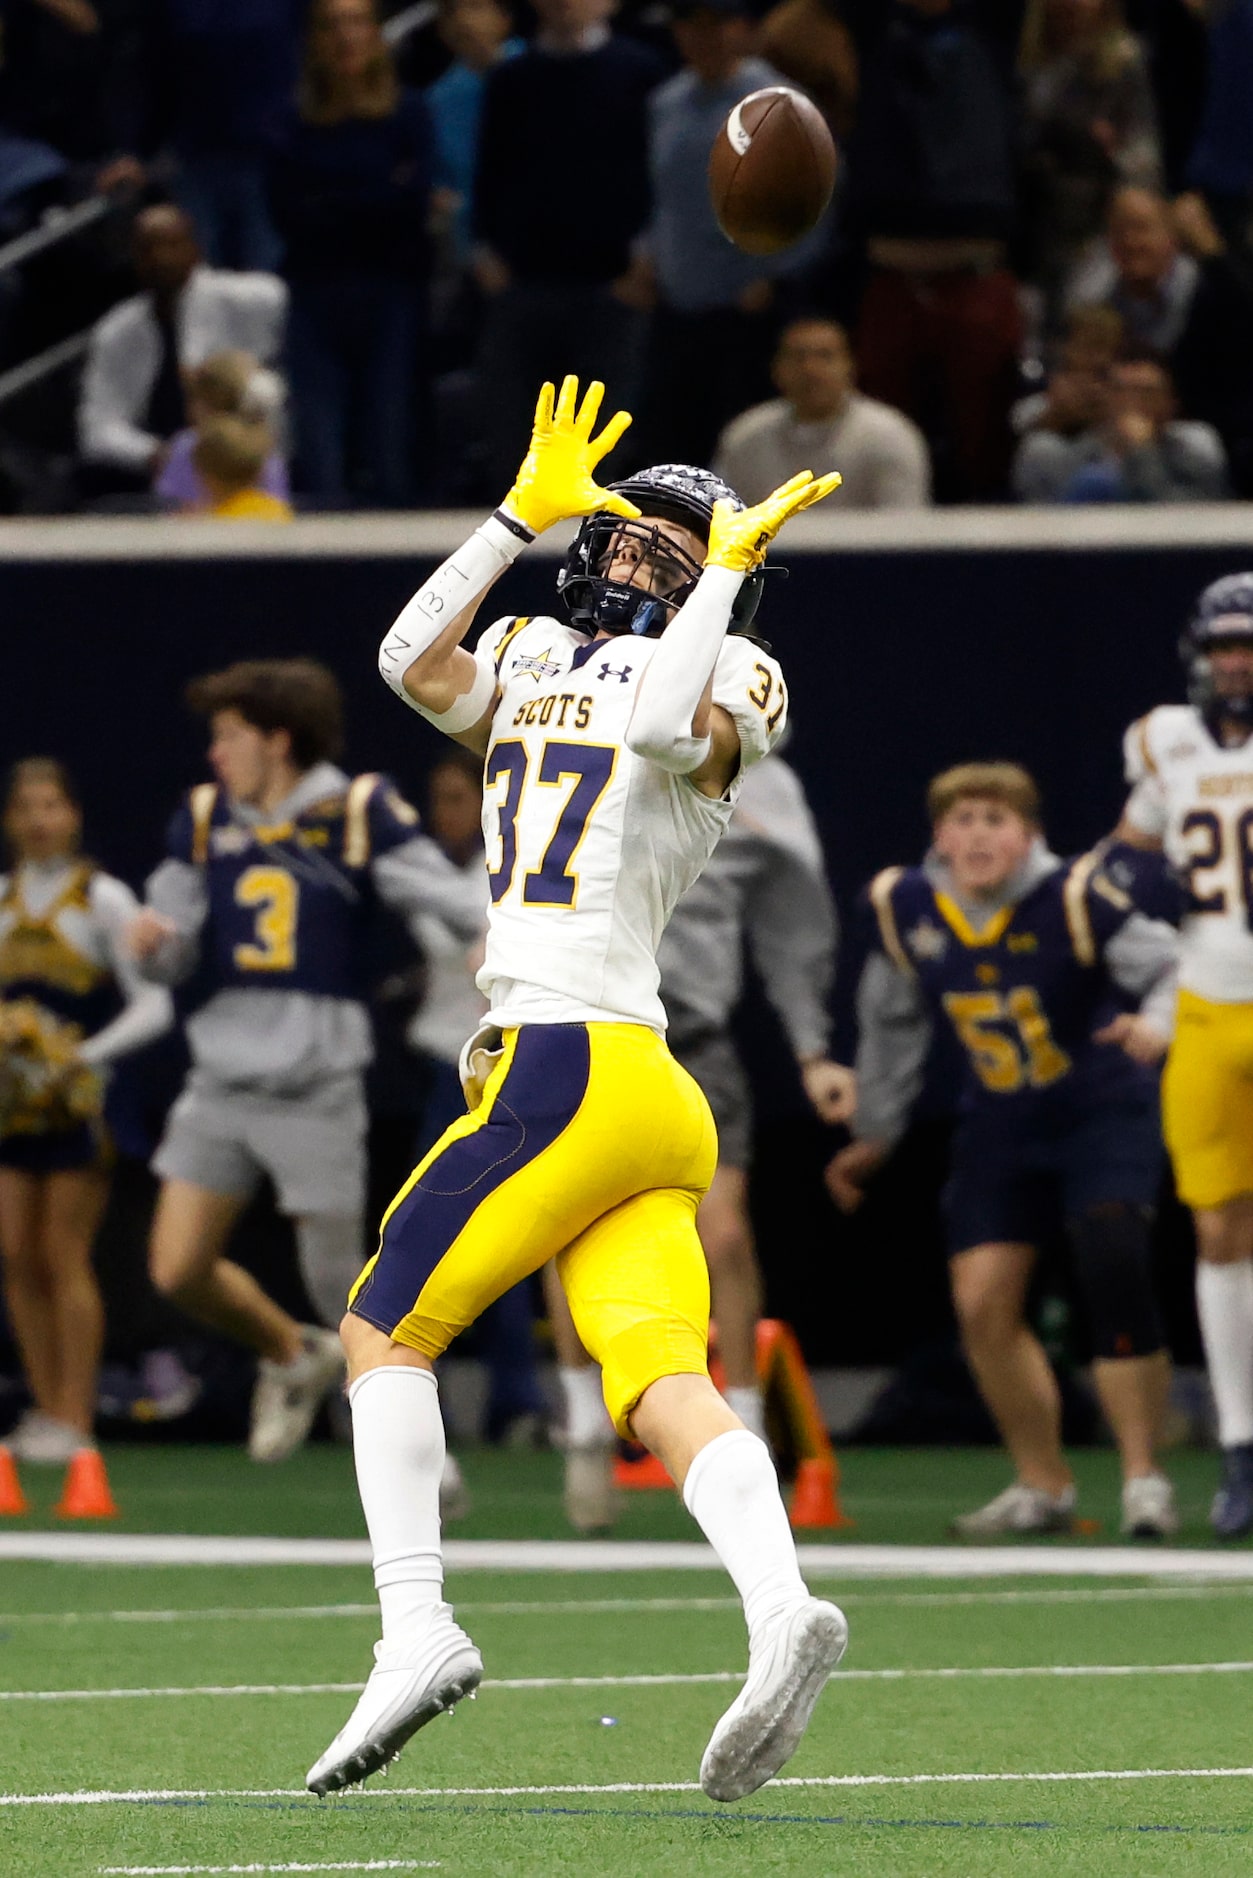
589 767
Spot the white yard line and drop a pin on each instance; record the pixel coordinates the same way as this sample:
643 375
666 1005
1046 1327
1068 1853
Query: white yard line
214 1614
367 1864
141 1796
843 1561
596 1607
339 1865
350 1688
965 1673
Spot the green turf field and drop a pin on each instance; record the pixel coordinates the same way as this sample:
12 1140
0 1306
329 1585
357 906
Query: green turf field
896 1496
199 1697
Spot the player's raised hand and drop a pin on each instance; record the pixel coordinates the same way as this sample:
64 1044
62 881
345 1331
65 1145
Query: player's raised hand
556 480
738 538
1137 1035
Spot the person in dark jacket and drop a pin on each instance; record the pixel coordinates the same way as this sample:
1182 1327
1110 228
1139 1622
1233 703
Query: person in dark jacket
351 188
561 196
1185 294
222 77
933 198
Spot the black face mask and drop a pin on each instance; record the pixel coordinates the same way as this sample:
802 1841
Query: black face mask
1217 707
599 604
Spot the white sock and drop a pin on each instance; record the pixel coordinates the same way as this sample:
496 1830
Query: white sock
733 1495
398 1448
587 1419
746 1402
1224 1303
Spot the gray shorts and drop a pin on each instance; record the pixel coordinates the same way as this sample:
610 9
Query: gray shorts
715 1064
312 1146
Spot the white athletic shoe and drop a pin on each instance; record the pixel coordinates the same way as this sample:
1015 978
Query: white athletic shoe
1148 1508
42 1441
787 1671
1020 1509
454 1495
589 1495
407 1688
287 1396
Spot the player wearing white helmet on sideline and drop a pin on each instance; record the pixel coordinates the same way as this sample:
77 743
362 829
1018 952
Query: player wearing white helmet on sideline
1191 770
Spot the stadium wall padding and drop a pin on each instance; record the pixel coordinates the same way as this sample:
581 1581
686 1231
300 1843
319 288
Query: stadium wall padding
899 662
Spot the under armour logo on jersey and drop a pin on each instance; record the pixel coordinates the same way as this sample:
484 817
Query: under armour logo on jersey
608 671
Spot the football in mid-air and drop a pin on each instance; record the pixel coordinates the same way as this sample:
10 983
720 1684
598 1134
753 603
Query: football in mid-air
771 170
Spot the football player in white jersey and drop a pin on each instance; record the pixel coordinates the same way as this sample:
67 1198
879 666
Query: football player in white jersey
1191 770
614 742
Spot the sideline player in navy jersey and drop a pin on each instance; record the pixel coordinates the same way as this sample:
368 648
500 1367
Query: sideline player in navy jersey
267 891
1032 962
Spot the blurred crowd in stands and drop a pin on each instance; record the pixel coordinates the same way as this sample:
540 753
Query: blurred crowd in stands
341 242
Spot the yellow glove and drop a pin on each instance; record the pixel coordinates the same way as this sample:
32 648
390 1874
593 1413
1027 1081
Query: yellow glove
556 479
738 538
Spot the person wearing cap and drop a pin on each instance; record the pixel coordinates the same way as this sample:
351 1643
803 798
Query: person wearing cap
561 197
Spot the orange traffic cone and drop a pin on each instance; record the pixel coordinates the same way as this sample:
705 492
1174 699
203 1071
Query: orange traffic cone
813 1497
12 1500
646 1471
86 1493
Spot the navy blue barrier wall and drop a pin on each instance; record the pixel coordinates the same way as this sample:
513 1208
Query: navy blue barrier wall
902 658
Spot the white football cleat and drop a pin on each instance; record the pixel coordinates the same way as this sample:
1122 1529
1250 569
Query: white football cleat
408 1687
589 1495
1020 1509
42 1441
287 1396
1148 1508
787 1670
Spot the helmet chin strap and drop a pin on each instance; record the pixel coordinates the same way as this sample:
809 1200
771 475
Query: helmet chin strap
652 613
649 616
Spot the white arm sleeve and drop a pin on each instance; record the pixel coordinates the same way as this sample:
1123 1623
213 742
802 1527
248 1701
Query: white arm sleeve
149 1008
672 687
453 587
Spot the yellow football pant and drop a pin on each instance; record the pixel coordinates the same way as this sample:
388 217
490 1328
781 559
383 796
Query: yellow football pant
1207 1101
592 1146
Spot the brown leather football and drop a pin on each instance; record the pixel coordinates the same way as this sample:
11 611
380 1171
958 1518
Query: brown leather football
771 170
